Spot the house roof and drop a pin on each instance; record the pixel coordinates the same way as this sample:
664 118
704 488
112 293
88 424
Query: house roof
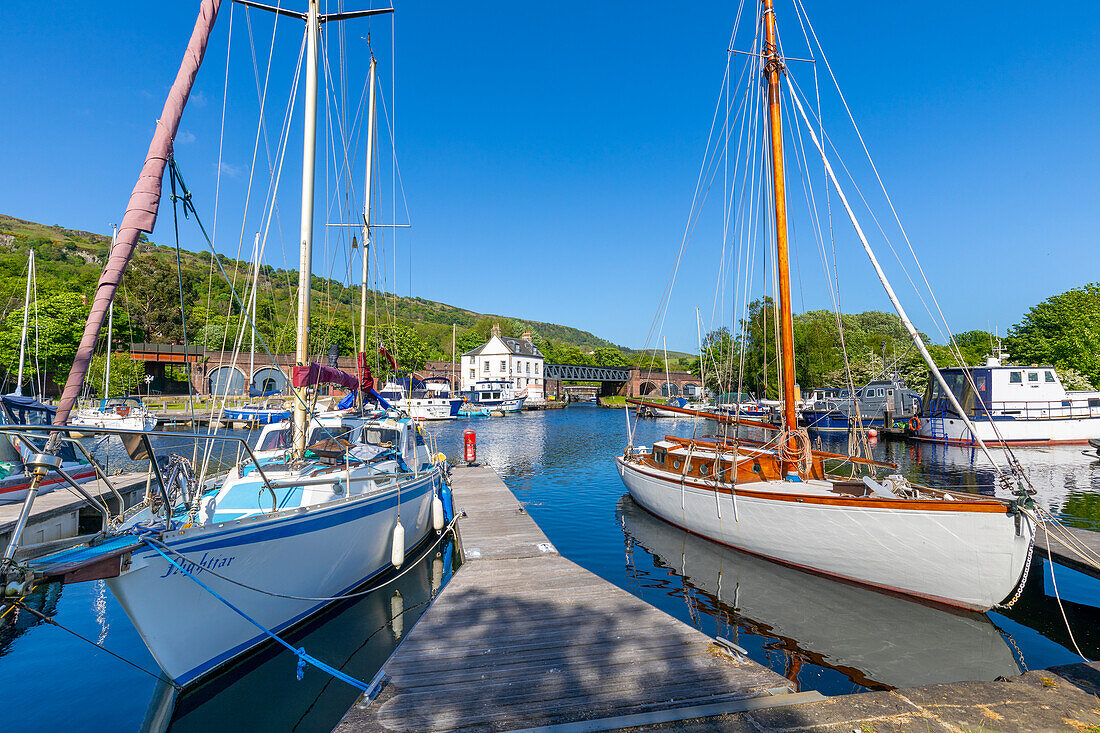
515 346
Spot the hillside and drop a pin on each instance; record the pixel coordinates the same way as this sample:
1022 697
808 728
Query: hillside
71 260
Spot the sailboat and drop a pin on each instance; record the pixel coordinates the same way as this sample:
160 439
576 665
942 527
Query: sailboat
780 499
209 567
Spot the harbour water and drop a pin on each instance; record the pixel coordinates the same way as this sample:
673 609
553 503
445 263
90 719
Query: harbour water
822 635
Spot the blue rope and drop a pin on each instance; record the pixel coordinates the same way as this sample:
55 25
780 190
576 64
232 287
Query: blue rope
300 652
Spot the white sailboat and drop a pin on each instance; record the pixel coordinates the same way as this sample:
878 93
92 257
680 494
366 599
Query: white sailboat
779 499
209 568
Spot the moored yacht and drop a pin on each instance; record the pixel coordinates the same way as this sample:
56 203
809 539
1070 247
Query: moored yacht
884 403
1016 404
495 395
413 397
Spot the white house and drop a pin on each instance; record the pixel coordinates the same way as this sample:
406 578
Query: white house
505 357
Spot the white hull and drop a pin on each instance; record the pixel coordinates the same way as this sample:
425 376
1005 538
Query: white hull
968 559
512 405
432 408
95 419
320 551
1022 430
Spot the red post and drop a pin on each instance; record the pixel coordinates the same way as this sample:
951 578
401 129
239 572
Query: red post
469 445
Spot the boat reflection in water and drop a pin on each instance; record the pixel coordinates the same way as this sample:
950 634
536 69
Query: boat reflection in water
879 641
261 691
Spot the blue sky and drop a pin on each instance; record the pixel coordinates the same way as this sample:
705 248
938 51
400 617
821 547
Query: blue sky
549 153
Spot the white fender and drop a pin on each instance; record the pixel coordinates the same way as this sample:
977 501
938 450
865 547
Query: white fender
397 555
437 514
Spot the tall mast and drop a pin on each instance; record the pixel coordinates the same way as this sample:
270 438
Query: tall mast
26 318
772 71
366 211
305 264
252 304
107 367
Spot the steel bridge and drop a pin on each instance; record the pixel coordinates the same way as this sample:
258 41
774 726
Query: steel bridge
579 373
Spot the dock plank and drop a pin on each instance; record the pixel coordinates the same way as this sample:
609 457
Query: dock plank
522 636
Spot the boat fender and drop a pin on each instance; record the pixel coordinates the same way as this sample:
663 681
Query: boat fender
437 573
397 555
437 514
914 424
448 501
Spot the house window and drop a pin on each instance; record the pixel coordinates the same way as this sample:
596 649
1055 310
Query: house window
473 373
1049 376
1033 376
486 367
472 361
503 366
536 367
1015 377
529 368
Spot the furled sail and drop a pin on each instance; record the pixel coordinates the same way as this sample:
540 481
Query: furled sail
314 373
141 212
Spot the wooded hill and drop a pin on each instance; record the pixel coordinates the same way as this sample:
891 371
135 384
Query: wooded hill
69 263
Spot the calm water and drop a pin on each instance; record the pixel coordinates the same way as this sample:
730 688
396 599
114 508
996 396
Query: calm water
822 635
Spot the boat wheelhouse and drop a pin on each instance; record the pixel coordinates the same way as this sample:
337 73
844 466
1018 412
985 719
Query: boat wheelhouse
881 404
1021 405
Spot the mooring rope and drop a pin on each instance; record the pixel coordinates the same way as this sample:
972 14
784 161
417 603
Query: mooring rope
303 657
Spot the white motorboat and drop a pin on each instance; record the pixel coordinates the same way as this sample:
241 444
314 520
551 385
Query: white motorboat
15 478
494 395
420 403
1015 404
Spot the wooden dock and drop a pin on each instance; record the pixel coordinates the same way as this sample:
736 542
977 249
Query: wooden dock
62 515
523 638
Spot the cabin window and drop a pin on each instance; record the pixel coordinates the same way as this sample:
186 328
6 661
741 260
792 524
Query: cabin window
1033 376
1049 377
704 469
1065 403
659 455
676 464
1094 402
1015 377
881 392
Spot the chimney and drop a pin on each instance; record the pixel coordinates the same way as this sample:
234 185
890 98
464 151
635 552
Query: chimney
496 330
526 336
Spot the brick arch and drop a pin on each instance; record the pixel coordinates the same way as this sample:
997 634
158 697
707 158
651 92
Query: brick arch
647 388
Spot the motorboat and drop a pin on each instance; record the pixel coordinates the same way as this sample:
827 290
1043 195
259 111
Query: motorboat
412 395
494 395
14 474
884 403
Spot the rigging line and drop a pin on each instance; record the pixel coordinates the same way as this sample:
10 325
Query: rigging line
221 126
882 185
917 341
173 175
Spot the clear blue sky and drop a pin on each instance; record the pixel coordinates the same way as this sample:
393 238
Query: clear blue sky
549 152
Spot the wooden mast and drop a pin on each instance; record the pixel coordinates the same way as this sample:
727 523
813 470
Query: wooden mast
772 70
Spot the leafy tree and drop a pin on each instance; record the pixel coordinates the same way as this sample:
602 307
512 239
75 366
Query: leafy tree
61 319
609 356
127 375
1064 331
152 298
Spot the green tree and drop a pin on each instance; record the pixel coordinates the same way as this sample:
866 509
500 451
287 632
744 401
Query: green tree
50 349
609 356
127 375
1063 330
152 298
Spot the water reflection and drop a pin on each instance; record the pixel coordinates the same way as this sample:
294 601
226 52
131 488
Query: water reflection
878 641
261 692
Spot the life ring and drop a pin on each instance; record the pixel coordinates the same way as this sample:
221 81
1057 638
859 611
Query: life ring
914 424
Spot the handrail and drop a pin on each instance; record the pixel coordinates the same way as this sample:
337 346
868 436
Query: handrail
83 430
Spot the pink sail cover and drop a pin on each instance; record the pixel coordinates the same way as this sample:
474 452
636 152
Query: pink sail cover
141 212
314 373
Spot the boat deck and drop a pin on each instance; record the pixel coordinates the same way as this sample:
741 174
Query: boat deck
523 638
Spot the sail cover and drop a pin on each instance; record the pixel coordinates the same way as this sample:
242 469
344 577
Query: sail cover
141 212
314 373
